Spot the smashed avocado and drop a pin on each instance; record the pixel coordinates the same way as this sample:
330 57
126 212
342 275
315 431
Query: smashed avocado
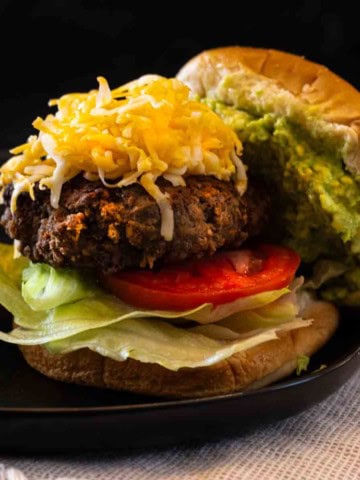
317 204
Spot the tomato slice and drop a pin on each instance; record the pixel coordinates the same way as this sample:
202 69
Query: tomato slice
220 279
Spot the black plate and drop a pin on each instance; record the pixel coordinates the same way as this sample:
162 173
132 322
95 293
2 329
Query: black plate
39 414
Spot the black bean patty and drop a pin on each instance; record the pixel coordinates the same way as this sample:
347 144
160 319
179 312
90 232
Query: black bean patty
113 229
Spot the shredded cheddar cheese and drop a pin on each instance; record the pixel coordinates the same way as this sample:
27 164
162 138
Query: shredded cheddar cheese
147 128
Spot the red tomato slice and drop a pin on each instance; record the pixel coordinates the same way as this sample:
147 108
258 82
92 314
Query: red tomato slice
220 279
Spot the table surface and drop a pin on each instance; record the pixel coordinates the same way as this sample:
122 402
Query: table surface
322 443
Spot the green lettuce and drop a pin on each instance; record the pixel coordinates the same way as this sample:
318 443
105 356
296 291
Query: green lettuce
12 300
164 344
302 364
59 309
72 318
210 314
274 314
44 287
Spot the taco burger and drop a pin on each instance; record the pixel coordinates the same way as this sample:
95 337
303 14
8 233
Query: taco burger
160 226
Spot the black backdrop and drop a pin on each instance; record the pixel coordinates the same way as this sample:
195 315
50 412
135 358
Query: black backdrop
49 47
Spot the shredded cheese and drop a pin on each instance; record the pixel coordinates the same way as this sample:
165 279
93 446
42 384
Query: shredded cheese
148 128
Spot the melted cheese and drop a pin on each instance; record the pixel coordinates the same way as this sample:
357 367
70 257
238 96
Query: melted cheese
147 128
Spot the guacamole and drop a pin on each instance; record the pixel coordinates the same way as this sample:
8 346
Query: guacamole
317 203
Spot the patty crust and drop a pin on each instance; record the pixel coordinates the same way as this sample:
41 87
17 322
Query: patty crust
111 229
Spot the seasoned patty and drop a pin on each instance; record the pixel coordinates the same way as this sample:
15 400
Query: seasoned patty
111 229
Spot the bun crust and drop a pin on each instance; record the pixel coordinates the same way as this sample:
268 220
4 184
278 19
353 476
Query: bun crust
253 368
335 99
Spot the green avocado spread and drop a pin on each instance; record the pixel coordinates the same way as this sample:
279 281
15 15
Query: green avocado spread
316 202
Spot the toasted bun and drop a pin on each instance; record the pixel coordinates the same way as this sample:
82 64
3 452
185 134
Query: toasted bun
253 368
335 100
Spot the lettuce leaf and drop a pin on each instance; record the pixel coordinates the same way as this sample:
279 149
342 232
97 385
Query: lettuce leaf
164 344
209 314
302 364
12 300
63 312
73 318
282 310
45 287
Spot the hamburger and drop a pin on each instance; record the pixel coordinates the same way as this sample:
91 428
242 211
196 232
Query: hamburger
159 226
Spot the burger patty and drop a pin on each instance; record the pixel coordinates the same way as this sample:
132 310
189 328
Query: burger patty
111 229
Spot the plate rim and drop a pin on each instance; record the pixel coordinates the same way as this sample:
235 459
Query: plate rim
166 404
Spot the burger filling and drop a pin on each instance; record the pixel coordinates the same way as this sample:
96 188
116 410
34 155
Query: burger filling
237 307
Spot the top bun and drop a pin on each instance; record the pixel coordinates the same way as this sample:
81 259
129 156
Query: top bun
294 80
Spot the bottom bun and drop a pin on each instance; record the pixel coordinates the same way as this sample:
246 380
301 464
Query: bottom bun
253 368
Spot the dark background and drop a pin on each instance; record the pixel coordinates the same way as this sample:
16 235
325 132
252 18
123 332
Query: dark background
50 47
